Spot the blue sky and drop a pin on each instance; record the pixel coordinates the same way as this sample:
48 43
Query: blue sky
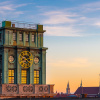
72 36
60 17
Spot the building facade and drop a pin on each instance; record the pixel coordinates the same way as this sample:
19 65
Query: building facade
23 58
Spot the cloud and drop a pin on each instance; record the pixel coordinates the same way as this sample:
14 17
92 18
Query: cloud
90 7
75 62
62 31
97 24
63 22
8 8
92 4
58 17
60 23
21 5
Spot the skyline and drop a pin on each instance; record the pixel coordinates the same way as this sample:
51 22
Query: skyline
72 37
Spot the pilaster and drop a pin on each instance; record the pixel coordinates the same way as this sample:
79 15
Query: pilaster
17 37
43 66
18 68
24 38
32 70
5 67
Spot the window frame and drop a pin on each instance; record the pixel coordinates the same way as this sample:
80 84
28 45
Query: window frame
14 36
33 38
12 76
36 78
27 37
20 36
23 76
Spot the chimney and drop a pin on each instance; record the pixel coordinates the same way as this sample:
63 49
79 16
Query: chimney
13 25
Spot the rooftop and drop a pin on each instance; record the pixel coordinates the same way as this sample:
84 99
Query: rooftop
87 90
18 24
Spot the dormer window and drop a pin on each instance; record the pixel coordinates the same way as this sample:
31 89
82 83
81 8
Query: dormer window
14 36
27 37
20 36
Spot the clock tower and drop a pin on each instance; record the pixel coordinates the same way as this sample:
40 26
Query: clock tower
23 59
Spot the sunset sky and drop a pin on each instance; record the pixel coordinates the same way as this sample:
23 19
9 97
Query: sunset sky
72 37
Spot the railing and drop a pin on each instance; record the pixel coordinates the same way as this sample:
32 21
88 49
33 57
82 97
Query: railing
24 25
20 24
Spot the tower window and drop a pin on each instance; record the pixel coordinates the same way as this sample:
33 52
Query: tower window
24 76
20 36
32 37
11 76
14 36
36 77
27 37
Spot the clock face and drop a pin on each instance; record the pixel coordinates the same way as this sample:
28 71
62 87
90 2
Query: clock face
36 60
25 59
11 58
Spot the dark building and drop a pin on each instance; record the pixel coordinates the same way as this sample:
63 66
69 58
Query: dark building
90 91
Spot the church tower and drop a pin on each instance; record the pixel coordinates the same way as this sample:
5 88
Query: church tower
68 88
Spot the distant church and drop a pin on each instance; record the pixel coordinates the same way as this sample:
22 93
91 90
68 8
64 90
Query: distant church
88 91
68 89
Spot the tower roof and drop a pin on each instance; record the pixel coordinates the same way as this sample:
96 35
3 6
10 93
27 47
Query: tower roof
68 84
81 84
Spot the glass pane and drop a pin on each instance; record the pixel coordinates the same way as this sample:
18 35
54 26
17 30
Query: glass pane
35 72
9 79
9 72
36 77
14 36
11 76
12 79
32 37
24 76
12 72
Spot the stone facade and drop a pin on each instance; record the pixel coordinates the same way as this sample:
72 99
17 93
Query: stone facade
21 89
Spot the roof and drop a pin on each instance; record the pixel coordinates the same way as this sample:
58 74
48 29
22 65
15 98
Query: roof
87 90
58 95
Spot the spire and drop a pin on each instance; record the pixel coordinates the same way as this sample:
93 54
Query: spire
68 85
81 84
68 88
